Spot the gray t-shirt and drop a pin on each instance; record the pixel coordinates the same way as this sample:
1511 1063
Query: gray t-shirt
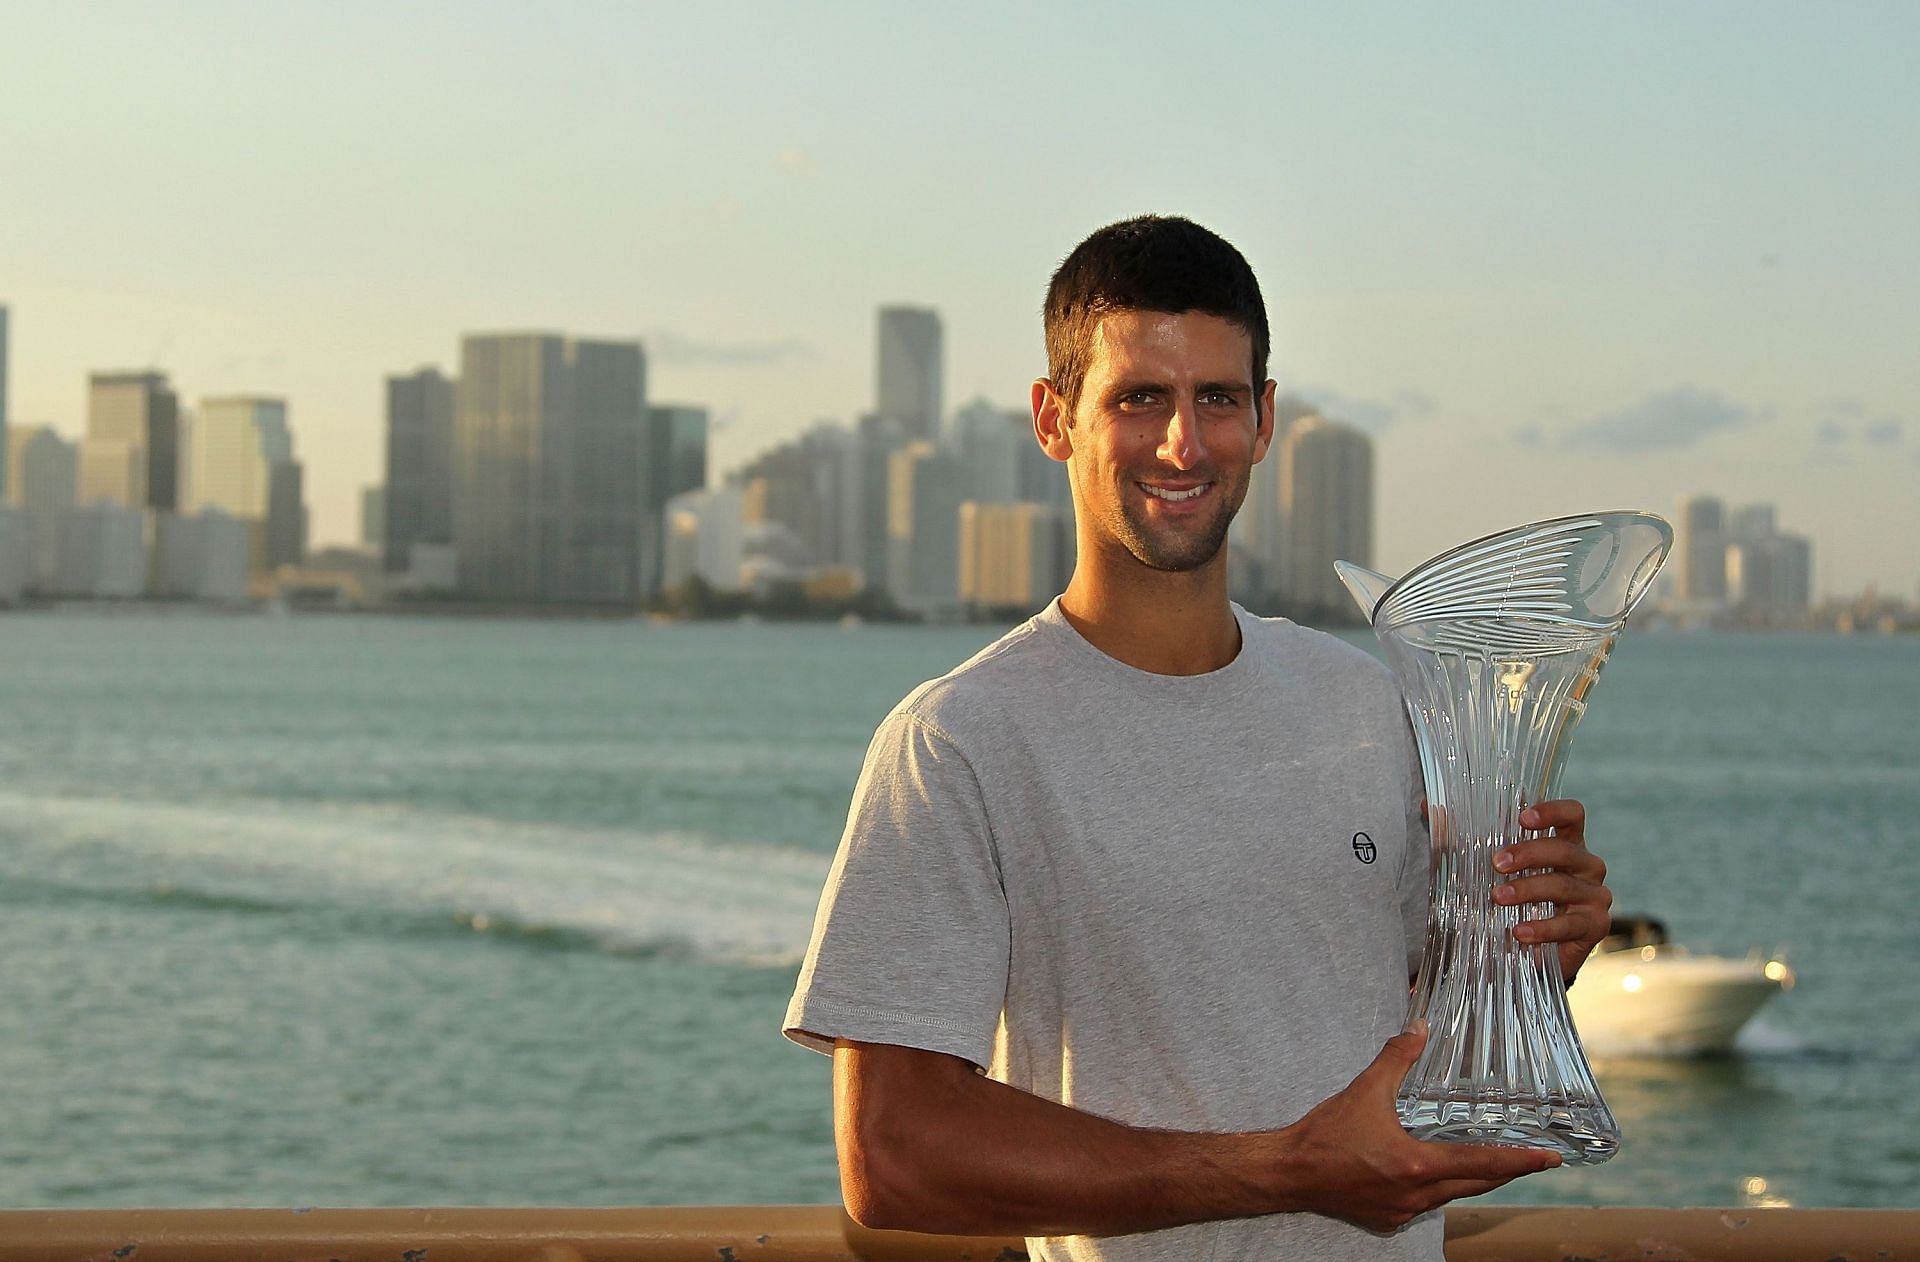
1179 902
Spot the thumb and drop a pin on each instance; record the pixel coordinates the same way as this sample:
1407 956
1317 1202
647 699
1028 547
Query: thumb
1400 1052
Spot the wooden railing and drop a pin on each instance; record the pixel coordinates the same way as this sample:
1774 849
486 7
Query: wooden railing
818 1233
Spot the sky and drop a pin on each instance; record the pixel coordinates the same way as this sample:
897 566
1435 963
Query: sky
1556 258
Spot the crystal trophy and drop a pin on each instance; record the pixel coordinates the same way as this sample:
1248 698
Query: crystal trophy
1497 644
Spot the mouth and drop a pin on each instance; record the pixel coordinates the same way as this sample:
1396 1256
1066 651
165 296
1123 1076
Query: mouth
1175 494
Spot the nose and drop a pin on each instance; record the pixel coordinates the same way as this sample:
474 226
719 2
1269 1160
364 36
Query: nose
1182 447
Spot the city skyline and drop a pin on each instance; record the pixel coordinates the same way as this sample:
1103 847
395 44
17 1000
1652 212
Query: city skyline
1475 245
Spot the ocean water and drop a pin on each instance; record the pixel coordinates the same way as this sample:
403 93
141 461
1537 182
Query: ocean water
385 911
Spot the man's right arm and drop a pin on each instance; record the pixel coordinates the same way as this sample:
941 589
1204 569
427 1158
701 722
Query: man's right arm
927 1143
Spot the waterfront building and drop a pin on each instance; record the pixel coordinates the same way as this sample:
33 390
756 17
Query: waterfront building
676 462
419 488
987 441
132 455
879 438
234 444
705 539
103 552
203 556
373 520
907 370
1256 535
16 553
549 498
111 472
1701 551
778 489
286 523
1015 557
43 472
923 528
1770 578
6 445
834 457
1326 509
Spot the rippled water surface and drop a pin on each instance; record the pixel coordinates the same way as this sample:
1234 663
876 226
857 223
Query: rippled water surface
333 910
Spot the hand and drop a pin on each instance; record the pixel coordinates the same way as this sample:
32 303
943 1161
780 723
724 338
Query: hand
1569 876
1356 1163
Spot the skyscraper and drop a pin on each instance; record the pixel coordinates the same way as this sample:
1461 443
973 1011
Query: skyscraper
676 462
548 488
419 491
1326 503
42 476
133 422
1014 558
1703 550
236 442
907 370
5 446
923 528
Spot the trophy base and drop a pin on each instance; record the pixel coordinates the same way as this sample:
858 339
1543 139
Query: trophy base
1576 1134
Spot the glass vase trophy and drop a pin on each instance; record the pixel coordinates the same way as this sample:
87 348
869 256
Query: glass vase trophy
1497 644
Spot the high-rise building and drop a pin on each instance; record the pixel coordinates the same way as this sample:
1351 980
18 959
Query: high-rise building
43 472
908 370
1770 578
5 416
923 528
286 538
235 443
133 422
1014 558
1326 505
549 442
1703 551
103 552
1256 531
989 442
373 520
879 438
201 556
705 539
419 490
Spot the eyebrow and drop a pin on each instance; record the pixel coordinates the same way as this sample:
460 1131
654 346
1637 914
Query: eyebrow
1206 387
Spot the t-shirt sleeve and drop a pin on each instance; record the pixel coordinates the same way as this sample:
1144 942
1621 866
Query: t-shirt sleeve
1416 877
910 943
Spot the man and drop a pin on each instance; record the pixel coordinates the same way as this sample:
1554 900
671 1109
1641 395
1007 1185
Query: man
1109 859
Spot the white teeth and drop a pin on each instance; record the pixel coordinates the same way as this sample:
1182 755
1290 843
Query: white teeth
1157 493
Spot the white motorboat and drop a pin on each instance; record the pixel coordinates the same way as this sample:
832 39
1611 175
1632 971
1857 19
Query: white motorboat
1640 995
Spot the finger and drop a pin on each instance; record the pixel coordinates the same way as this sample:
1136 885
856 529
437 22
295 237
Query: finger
1454 1189
1584 928
1562 854
1396 1057
1554 887
1560 813
1486 1162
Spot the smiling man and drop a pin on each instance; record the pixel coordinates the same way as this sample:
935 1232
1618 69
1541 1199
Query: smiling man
1100 961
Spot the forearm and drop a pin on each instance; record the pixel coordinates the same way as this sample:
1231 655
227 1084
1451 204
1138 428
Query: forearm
976 1157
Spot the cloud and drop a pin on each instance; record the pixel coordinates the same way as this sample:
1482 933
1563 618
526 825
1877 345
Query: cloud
1670 419
671 348
1375 415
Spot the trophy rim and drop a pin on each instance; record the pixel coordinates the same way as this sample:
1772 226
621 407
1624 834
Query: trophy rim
1543 523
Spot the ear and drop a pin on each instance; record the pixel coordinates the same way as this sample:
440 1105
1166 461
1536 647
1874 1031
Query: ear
1050 418
1263 436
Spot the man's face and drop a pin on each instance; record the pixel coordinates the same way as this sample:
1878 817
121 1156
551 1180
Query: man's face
1167 429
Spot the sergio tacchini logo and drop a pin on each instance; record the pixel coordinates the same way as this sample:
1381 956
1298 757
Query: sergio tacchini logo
1364 849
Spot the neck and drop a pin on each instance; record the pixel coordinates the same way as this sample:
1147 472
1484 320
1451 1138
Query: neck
1165 623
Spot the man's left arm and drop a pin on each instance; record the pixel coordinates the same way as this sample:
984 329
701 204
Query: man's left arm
1566 874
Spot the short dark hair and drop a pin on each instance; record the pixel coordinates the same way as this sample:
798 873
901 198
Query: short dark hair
1152 263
